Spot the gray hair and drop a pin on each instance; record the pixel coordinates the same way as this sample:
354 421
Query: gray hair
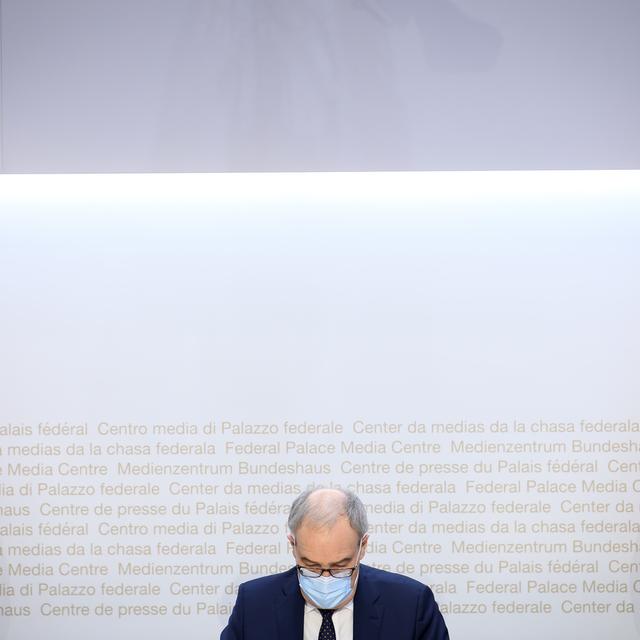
324 513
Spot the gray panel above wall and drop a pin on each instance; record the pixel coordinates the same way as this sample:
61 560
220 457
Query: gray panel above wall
1 96
239 85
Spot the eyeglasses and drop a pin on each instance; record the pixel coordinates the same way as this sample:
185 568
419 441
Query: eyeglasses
316 573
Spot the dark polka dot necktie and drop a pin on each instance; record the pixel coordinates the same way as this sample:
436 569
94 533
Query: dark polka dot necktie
327 631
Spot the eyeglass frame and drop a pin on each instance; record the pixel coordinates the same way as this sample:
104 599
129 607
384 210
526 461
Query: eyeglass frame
318 573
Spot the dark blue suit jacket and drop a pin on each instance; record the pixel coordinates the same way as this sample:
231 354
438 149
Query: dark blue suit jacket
387 606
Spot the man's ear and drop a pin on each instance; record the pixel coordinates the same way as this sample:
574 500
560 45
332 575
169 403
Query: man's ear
363 548
291 540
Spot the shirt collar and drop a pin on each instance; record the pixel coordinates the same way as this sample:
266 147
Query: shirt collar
308 607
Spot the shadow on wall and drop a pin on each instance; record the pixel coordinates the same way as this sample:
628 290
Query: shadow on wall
452 40
338 84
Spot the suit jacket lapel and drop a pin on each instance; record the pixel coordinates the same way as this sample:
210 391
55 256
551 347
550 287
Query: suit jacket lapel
367 611
290 609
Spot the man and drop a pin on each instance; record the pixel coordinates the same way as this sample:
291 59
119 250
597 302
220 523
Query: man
329 595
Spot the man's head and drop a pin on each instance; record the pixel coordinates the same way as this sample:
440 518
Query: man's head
328 530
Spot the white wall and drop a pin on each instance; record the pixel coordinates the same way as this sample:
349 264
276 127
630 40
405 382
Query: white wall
399 298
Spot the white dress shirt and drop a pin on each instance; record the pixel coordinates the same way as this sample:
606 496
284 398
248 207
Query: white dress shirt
342 622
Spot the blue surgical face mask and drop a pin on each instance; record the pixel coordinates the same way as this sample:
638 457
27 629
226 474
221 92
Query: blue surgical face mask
327 591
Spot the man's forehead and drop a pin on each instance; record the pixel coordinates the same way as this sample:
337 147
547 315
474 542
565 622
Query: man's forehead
340 537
